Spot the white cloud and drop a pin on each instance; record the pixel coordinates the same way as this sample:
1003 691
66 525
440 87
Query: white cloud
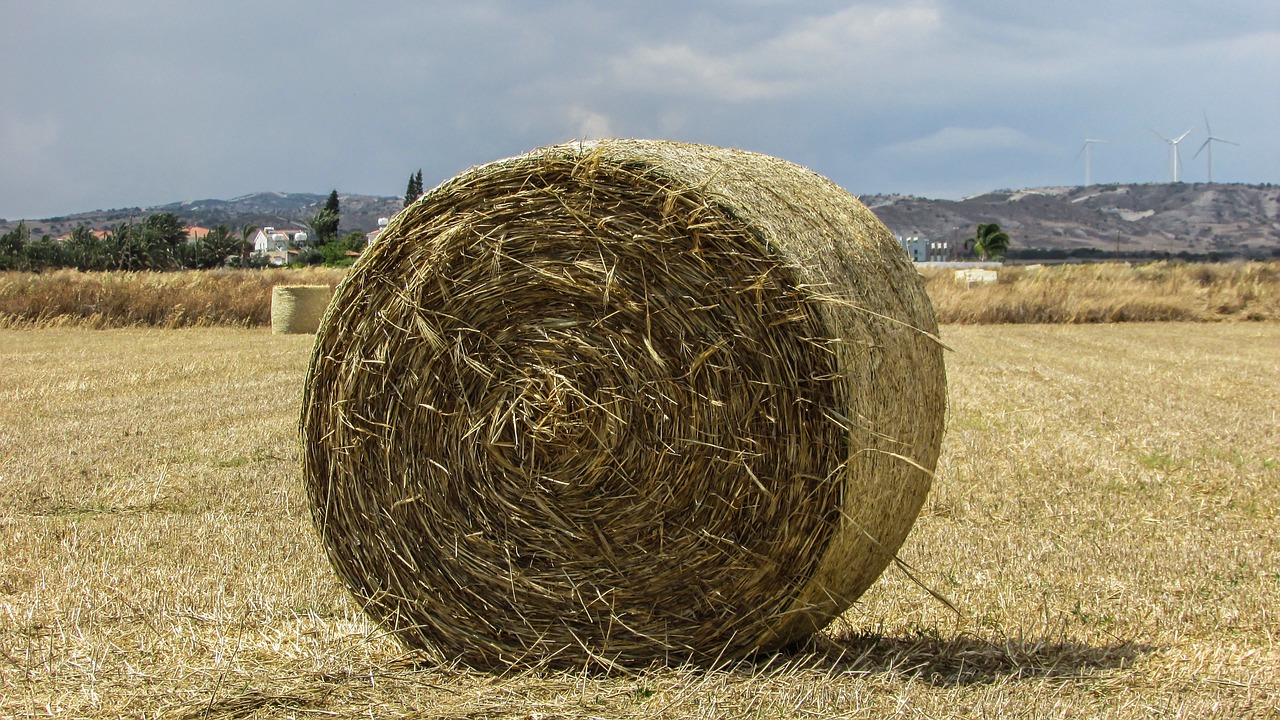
680 70
956 142
814 54
856 35
591 125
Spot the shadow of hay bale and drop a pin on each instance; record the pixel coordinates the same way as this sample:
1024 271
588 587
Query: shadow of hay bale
960 660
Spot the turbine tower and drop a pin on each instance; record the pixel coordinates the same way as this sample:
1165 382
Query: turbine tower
1085 151
1208 143
1175 156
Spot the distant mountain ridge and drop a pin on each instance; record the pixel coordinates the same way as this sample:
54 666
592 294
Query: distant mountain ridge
1199 218
276 209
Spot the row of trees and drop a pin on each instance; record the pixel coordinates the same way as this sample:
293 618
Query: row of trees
159 242
414 191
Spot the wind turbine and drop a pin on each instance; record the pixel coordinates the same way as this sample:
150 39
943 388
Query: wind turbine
1085 151
1175 157
1208 143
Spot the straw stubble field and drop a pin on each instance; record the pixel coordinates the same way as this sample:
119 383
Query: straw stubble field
1106 292
1103 518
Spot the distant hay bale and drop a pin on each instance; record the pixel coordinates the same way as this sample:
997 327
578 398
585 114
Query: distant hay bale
972 277
618 402
298 308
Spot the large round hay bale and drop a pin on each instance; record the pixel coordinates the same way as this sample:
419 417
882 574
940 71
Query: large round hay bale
618 402
298 308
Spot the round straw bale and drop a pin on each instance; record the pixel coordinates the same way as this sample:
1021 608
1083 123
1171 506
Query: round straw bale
298 308
618 402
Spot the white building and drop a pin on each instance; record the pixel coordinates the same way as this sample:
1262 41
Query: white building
275 243
925 250
372 235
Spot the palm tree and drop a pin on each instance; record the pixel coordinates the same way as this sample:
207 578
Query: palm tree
324 226
988 241
246 231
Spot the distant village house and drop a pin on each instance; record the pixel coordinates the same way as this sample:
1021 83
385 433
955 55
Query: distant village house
277 244
372 235
925 250
194 233
99 234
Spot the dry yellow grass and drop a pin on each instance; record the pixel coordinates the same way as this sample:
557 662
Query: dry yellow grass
1108 292
194 298
1104 518
1111 292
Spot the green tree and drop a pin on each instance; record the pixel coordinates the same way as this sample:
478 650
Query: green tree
45 253
247 232
334 254
13 247
156 243
211 251
160 239
414 191
308 256
85 250
324 223
123 248
153 244
988 241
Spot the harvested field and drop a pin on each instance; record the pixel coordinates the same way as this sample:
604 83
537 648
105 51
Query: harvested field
192 298
1110 292
1103 518
1105 292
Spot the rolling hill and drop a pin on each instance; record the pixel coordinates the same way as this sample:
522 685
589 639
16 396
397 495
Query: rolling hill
278 209
1198 218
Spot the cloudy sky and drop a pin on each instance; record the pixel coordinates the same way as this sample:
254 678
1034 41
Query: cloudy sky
116 103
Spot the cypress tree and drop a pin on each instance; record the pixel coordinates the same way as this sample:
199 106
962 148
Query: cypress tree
414 191
325 221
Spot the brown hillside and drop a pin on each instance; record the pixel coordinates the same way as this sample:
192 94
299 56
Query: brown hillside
1166 217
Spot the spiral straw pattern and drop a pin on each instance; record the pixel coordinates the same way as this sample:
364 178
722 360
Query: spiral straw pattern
618 402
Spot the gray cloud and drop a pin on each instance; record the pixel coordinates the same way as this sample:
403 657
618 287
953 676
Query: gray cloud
137 103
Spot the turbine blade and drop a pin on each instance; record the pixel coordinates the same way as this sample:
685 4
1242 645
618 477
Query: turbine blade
1203 145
